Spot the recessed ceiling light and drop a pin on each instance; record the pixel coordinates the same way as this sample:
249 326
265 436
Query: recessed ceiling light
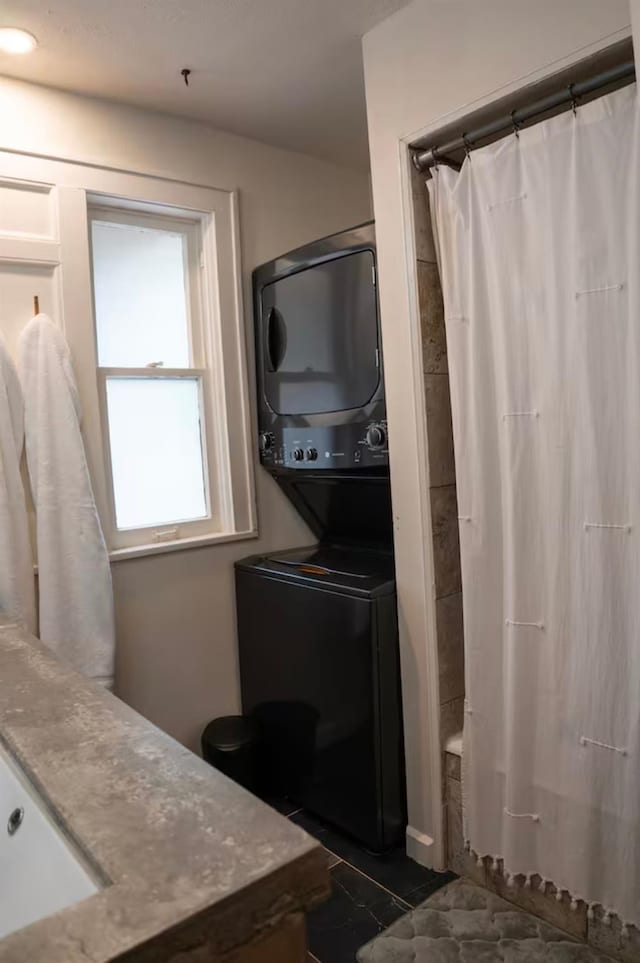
16 41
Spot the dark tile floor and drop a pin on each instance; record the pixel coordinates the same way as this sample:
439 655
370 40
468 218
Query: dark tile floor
368 892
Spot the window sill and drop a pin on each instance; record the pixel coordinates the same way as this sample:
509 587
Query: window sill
179 545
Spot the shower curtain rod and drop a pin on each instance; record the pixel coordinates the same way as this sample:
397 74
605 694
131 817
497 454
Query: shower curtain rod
567 95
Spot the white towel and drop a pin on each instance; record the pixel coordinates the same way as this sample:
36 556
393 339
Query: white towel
17 590
76 597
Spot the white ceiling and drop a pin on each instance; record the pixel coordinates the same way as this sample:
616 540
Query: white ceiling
287 72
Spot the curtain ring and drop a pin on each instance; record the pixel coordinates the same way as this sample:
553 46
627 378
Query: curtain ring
467 144
574 100
434 154
515 124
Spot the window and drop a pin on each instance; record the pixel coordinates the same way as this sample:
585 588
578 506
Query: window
154 378
157 451
142 274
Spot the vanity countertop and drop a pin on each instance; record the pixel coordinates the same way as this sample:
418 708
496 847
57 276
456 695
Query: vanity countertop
189 858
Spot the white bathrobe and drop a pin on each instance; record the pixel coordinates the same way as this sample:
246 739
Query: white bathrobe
17 590
76 597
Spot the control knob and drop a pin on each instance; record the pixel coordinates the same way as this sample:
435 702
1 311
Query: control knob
376 436
298 454
312 454
265 441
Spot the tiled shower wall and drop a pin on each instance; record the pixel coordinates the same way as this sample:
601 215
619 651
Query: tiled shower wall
444 510
448 587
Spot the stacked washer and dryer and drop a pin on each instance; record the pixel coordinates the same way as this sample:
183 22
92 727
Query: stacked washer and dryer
317 625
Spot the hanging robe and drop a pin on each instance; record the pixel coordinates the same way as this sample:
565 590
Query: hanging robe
17 588
75 591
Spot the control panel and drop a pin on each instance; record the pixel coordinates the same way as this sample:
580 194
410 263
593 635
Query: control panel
337 447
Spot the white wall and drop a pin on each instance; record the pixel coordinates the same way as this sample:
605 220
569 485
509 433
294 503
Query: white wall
177 659
432 59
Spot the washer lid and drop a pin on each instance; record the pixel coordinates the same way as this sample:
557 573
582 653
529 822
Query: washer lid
347 569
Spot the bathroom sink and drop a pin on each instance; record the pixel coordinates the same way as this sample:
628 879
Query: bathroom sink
41 870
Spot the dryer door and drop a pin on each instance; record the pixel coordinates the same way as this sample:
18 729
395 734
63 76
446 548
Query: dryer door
320 337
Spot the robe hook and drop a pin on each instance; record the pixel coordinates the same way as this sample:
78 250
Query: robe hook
186 73
36 305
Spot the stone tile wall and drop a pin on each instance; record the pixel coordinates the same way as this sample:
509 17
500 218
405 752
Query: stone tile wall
444 509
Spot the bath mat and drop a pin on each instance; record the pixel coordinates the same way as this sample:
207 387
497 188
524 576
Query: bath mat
463 923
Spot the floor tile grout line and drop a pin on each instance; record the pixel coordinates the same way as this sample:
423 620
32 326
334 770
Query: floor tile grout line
385 889
371 879
430 893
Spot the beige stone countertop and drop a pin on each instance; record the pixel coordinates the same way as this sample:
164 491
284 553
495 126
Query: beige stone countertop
188 858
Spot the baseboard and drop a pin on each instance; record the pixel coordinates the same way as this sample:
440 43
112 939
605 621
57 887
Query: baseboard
421 847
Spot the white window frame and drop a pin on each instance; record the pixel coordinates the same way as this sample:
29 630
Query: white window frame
63 255
217 520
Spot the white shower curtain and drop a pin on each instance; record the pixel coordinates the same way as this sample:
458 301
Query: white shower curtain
539 249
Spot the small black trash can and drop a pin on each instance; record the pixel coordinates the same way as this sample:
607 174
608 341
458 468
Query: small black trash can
228 743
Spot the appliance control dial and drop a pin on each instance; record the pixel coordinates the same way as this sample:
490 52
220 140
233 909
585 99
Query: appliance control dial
312 454
265 441
376 436
298 454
